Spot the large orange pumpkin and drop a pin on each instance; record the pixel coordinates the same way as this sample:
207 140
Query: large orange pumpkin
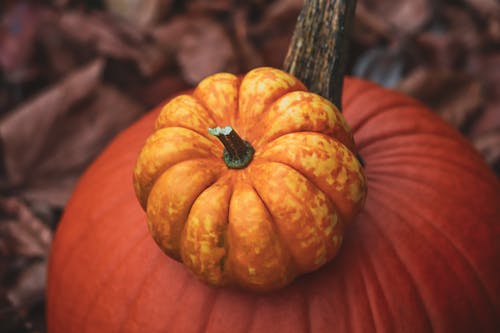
255 211
422 256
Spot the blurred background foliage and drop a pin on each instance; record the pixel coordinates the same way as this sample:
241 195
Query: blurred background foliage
74 73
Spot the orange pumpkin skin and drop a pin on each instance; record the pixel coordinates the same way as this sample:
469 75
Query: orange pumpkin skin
422 256
259 226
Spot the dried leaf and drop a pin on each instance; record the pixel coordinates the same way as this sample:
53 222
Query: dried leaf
440 50
368 28
382 65
17 35
29 288
204 49
115 40
22 233
486 7
405 16
488 144
454 96
278 16
139 12
246 51
77 138
26 130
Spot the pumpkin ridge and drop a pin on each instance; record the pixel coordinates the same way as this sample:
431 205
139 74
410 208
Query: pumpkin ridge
143 186
105 282
274 225
165 169
267 121
394 135
334 205
133 304
224 180
208 314
306 309
365 267
209 111
370 306
341 219
202 318
467 262
473 272
378 110
361 88
215 178
186 282
404 267
430 163
271 141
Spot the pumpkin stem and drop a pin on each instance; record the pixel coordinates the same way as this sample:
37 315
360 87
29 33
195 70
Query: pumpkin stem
238 153
318 51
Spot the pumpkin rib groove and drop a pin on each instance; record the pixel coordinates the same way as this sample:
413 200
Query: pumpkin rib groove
223 261
132 306
397 155
351 94
275 227
265 145
396 136
209 111
404 267
182 290
316 187
371 305
366 267
381 138
133 301
251 316
306 308
208 160
431 162
333 204
202 317
348 304
377 111
105 282
208 314
464 260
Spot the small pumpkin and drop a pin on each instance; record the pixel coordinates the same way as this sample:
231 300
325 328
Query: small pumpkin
422 256
276 205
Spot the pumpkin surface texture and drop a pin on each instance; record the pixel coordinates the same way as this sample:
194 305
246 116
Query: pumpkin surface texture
422 256
276 205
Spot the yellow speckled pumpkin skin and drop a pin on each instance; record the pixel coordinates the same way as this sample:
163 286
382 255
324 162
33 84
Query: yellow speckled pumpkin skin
261 226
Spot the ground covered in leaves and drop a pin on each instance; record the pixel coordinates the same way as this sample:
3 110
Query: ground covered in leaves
74 73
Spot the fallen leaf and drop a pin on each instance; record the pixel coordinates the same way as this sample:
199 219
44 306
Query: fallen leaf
25 131
247 53
77 138
405 16
382 65
22 233
17 42
205 49
115 39
488 144
456 97
140 13
29 288
486 7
